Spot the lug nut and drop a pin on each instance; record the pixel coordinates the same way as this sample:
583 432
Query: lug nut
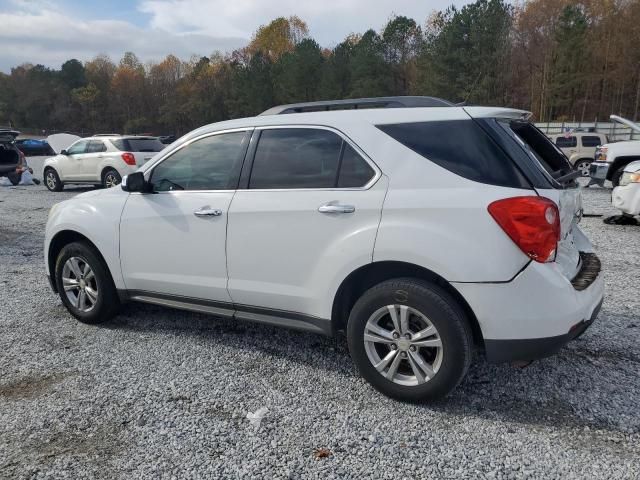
412 348
394 346
407 336
404 354
396 335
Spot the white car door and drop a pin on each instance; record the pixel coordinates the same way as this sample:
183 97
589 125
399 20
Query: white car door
71 165
172 241
307 215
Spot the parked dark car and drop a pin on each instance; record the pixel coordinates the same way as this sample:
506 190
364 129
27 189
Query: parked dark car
11 159
33 148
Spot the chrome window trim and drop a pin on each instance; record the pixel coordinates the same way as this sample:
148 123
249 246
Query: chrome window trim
148 171
376 176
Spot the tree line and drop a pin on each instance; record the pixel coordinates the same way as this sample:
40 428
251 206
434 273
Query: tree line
561 59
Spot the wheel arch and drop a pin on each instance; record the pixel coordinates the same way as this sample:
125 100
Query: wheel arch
105 169
620 162
59 241
366 276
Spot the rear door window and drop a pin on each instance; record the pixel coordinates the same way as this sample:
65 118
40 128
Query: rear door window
144 145
566 142
96 146
295 158
460 146
591 141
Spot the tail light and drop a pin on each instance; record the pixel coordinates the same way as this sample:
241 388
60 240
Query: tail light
533 223
129 158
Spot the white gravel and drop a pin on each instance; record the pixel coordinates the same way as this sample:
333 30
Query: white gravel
159 393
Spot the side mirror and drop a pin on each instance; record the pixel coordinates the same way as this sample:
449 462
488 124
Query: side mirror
135 182
64 152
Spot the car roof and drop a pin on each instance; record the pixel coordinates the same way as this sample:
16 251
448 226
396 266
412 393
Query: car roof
375 116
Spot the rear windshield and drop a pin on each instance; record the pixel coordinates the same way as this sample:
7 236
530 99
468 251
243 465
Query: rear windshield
138 144
460 146
539 148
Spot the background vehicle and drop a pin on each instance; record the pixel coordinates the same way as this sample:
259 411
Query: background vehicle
611 159
420 228
11 159
101 159
34 148
579 147
167 139
626 196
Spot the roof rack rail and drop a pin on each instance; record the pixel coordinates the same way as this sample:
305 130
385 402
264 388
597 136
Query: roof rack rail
107 135
358 103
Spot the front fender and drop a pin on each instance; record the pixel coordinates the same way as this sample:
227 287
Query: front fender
95 217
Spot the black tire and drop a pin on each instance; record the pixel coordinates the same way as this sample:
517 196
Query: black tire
111 178
14 178
615 178
108 302
444 314
52 180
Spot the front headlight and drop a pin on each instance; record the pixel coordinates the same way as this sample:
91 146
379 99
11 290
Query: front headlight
629 177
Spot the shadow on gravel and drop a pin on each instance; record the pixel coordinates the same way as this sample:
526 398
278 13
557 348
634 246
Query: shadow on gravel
528 396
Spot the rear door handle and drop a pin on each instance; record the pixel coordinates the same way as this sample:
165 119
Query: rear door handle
208 212
334 208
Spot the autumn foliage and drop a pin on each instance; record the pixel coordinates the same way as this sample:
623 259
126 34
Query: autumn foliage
560 59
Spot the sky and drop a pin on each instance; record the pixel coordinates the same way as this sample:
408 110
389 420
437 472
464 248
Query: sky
51 32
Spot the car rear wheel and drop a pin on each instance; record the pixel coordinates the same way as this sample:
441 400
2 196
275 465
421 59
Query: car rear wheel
52 180
410 340
84 284
111 178
583 166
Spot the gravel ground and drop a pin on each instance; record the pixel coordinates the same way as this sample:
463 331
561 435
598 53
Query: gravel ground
164 394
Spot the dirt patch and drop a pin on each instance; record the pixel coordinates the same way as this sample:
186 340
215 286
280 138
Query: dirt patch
29 387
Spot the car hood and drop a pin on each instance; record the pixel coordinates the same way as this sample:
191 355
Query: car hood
632 125
61 141
101 192
633 167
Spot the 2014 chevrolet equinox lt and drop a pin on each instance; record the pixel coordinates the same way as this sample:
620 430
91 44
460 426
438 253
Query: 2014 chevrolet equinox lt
422 229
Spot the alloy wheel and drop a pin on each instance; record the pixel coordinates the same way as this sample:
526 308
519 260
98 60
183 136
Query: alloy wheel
583 168
79 283
403 345
51 180
110 180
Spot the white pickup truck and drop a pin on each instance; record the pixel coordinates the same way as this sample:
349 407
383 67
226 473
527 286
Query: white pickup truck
611 158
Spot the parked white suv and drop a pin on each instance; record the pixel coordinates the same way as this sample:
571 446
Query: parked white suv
101 160
423 232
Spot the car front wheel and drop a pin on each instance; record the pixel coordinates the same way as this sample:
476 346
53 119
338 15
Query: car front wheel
84 284
410 340
52 180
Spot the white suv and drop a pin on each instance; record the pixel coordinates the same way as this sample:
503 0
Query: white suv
423 231
102 160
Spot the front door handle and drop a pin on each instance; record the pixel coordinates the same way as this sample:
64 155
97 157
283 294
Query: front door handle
208 212
335 208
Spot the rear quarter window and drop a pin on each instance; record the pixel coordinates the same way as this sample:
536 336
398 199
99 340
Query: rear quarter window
461 147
